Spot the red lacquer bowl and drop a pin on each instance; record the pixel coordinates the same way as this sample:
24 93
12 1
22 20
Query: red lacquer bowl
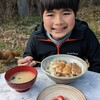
20 87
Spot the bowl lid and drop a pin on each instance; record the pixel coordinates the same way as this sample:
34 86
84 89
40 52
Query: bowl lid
68 92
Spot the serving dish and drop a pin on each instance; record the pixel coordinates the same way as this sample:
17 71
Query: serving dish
68 58
68 92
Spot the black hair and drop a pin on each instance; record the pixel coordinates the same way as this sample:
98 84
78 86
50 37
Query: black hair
57 4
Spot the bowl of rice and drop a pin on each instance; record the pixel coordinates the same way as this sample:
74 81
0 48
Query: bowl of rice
64 69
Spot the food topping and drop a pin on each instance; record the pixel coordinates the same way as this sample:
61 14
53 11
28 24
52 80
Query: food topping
60 97
63 69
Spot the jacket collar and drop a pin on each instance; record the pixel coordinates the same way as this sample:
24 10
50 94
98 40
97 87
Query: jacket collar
79 30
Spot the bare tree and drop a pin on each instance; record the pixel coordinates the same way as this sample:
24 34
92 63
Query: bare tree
23 7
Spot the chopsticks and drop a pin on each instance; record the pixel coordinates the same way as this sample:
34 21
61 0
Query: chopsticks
38 62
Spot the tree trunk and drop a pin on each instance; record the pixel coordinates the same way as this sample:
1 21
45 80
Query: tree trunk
23 7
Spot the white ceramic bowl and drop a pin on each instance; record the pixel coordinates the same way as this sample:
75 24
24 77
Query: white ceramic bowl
69 58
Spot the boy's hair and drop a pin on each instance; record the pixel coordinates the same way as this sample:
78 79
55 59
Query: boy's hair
57 4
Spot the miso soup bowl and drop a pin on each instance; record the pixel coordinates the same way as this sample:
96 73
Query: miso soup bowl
20 87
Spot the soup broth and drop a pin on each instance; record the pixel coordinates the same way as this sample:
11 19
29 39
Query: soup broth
22 77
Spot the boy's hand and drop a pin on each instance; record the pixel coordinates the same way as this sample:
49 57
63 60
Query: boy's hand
27 61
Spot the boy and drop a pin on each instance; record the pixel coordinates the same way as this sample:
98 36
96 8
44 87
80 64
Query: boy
61 33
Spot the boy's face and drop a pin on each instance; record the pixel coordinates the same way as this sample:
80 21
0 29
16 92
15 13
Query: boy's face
59 22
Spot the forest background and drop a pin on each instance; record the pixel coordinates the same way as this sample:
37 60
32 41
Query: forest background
18 19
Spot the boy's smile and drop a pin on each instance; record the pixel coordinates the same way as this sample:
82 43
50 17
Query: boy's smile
59 30
59 22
